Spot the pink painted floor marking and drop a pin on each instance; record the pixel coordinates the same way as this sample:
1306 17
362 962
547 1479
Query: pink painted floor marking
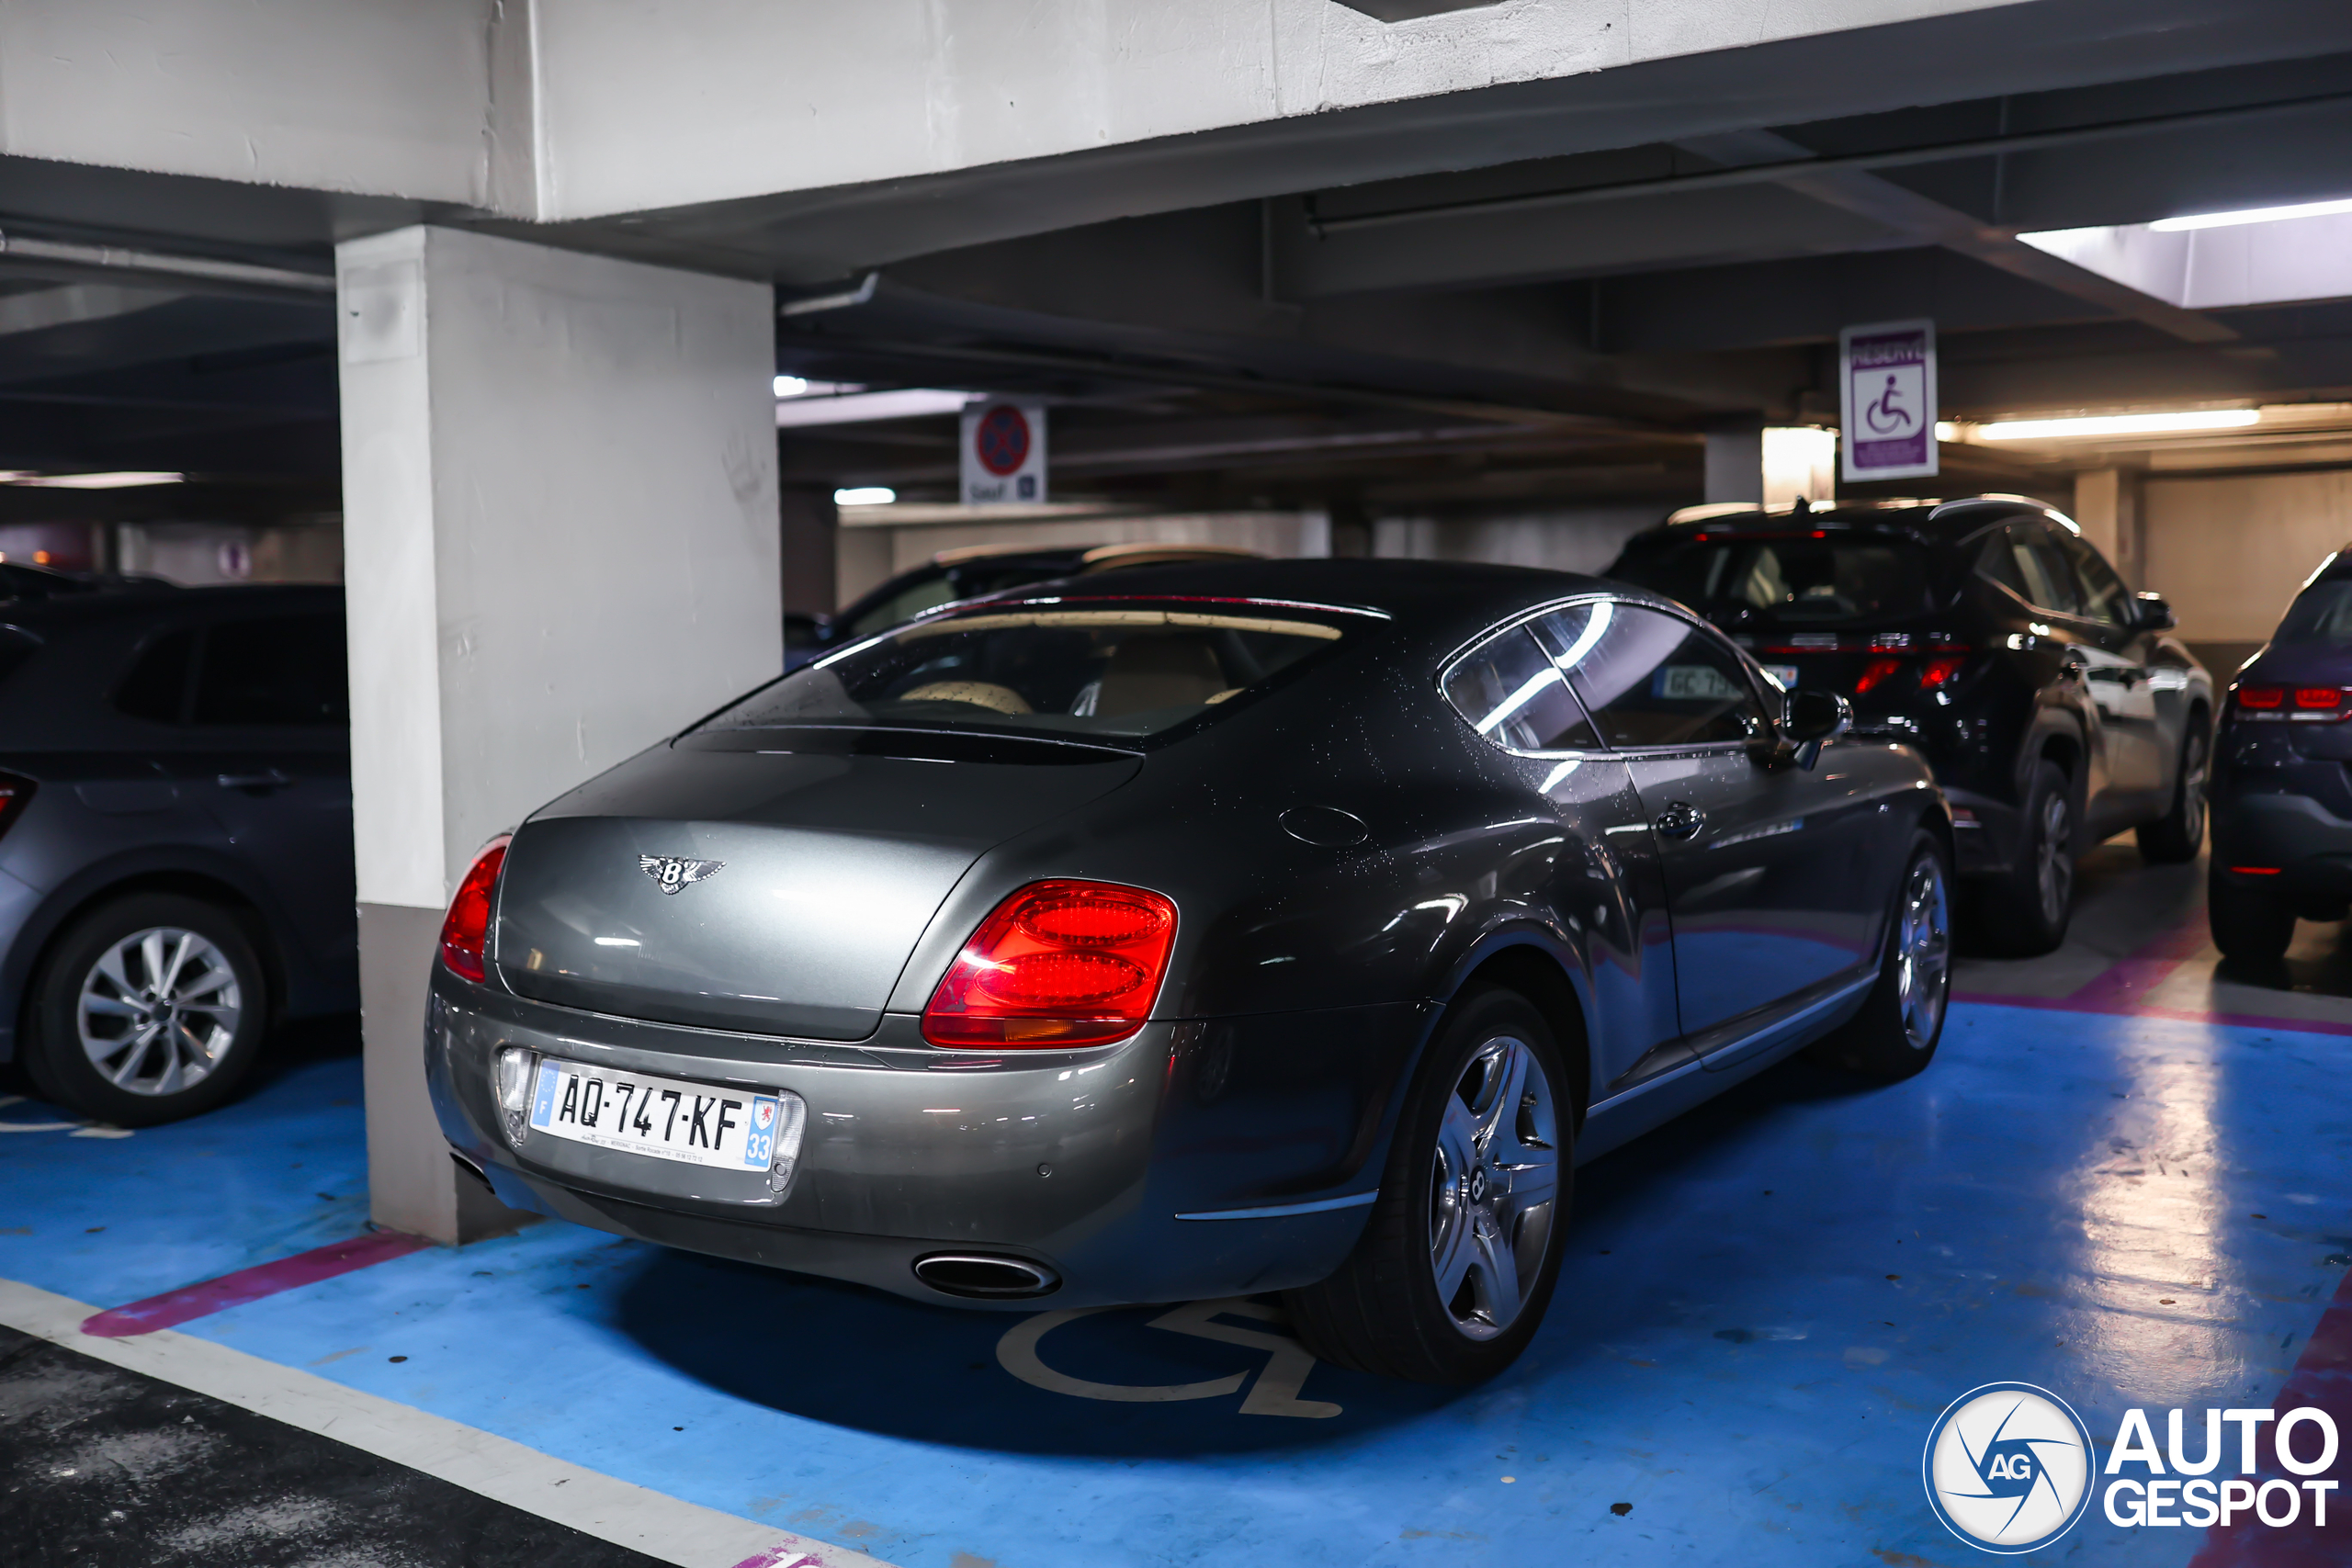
2117 990
2322 1380
209 1296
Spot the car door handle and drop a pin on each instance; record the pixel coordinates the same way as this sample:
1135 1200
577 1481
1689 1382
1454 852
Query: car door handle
269 778
1680 819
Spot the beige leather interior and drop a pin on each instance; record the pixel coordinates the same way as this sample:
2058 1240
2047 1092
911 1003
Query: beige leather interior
979 694
1159 673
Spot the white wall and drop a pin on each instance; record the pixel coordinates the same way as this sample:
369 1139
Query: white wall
700 100
385 96
569 109
2229 553
1571 539
197 555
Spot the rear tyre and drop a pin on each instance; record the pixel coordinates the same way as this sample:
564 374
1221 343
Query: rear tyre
2249 925
2026 910
147 1009
1457 1261
1896 1033
2180 833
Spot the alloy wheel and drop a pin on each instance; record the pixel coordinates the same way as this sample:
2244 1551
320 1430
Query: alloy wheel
158 1010
1923 952
2054 867
1494 1187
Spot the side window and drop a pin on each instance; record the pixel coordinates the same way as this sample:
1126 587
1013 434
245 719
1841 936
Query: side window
2104 597
1510 692
157 687
1651 680
287 670
908 603
2039 570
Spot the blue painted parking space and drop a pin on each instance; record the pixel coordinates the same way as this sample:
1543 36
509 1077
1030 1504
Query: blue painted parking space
1764 1307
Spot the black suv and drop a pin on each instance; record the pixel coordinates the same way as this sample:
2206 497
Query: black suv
2282 777
2051 701
176 854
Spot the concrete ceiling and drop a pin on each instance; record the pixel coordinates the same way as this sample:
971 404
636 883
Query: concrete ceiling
1545 289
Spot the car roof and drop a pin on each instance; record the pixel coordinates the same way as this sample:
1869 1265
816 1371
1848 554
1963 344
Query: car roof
137 603
1435 596
1947 520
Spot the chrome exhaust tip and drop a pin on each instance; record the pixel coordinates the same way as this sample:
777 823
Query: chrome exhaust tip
976 1275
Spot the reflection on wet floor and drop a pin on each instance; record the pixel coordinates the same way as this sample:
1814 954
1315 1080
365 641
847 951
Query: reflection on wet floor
2139 941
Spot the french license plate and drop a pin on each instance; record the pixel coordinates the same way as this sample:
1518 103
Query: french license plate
731 1129
1786 674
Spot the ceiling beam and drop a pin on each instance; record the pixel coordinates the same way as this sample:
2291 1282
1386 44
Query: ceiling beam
1850 189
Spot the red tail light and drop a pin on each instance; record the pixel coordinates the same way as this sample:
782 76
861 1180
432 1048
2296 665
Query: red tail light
2319 697
1943 668
15 793
2261 696
467 931
1877 672
1057 964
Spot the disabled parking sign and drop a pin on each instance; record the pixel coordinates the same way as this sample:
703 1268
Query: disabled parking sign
1887 395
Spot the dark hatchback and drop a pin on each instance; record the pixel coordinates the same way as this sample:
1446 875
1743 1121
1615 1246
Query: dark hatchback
175 854
2282 797
2053 704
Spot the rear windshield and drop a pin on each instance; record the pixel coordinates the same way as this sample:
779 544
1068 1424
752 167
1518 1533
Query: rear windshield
1793 582
2321 612
1114 674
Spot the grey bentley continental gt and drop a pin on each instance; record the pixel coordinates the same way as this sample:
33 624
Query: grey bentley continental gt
1288 926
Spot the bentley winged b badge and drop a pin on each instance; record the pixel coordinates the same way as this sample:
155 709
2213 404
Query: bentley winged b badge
673 873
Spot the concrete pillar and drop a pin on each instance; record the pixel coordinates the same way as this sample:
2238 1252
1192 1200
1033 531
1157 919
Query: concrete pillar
2107 505
1735 460
561 527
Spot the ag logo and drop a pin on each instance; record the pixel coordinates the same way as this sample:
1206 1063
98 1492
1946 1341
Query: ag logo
673 873
2009 1466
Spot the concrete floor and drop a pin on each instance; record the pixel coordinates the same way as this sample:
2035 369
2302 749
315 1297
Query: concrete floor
2123 1179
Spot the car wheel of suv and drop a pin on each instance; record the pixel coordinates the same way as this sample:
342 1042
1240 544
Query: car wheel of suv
147 1009
1896 1033
2249 924
1457 1261
2180 833
2027 911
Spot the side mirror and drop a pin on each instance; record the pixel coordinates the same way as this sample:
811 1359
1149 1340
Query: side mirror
2151 613
1810 719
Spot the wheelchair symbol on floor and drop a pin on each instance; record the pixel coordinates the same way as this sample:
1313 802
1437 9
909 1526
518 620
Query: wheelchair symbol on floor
1275 1391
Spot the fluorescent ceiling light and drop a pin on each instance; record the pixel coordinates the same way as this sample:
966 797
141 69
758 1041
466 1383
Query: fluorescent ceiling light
2117 424
2250 215
123 481
865 495
862 408
790 386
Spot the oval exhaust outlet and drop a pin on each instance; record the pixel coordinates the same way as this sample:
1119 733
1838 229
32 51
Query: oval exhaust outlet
972 1274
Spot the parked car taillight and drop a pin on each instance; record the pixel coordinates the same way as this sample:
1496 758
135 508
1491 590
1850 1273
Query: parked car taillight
2307 705
466 931
1939 668
1057 964
15 793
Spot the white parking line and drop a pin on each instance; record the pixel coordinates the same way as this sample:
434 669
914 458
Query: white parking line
663 1527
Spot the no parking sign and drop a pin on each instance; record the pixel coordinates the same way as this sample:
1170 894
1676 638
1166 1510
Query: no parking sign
1005 454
